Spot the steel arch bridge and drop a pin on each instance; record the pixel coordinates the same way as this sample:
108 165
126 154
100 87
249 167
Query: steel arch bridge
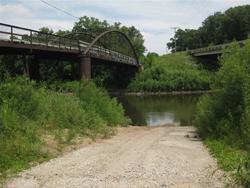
23 41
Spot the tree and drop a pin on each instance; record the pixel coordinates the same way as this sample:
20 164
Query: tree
185 39
233 24
94 27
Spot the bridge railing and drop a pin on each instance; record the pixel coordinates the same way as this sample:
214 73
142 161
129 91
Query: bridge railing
99 51
22 35
219 47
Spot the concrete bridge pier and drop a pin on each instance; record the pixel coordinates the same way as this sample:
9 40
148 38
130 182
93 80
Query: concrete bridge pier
85 67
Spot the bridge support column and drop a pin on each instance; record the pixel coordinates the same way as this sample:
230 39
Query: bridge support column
85 68
141 68
34 67
26 65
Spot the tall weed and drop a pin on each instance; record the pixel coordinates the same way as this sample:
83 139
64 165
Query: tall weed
29 111
174 72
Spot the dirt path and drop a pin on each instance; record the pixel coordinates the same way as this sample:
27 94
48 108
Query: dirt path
136 157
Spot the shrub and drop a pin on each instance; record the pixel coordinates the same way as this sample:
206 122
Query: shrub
174 72
28 112
98 101
19 108
225 115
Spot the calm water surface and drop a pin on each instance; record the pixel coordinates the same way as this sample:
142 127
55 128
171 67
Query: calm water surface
160 110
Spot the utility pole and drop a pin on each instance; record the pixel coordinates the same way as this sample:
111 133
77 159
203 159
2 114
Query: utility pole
175 29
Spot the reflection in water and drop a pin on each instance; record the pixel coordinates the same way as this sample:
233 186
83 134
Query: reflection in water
159 118
160 110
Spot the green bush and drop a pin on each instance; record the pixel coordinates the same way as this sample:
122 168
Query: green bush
98 101
224 116
174 72
28 112
19 108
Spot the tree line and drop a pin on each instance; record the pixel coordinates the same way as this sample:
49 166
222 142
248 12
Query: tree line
88 28
221 27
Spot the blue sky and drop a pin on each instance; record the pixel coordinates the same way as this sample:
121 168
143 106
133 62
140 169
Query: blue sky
154 18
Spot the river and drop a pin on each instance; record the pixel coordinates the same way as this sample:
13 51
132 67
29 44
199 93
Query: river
160 110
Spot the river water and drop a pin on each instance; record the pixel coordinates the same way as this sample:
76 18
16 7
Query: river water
160 110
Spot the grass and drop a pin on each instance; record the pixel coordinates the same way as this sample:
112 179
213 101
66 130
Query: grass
173 72
231 159
29 113
228 157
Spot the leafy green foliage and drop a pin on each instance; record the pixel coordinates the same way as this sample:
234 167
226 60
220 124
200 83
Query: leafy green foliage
225 115
185 39
174 72
228 157
95 27
18 110
8 68
28 111
219 28
107 108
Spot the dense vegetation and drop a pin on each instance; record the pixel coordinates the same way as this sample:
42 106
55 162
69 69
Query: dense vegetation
223 119
218 28
30 114
173 72
56 108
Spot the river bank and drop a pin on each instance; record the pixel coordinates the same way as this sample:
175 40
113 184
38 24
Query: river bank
170 93
167 156
145 93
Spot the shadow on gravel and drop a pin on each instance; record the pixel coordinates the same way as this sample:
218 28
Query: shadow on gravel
193 136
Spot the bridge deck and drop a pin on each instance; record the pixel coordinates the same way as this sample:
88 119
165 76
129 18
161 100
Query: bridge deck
18 40
212 50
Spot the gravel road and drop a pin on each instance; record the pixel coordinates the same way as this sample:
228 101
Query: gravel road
135 157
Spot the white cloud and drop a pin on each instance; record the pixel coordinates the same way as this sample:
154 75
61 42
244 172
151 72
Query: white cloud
38 23
157 42
14 10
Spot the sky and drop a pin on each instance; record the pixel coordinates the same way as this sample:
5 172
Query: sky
154 18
